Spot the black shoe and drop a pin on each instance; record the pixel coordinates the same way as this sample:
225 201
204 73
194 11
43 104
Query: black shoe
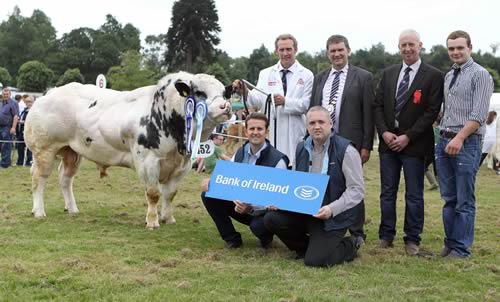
300 255
233 244
266 243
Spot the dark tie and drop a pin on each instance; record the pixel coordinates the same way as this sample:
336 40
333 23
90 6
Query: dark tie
402 89
283 79
456 71
333 95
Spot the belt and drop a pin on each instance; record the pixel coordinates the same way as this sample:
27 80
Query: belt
450 135
447 134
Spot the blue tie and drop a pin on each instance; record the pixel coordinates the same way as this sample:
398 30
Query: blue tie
333 94
283 79
456 71
402 89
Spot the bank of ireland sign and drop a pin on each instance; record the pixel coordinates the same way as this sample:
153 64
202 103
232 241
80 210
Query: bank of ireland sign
287 190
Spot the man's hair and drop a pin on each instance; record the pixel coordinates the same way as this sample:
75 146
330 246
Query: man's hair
460 34
18 97
28 98
286 37
410 32
257 116
337 39
214 135
318 108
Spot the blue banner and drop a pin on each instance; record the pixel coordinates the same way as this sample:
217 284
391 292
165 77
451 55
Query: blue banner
257 185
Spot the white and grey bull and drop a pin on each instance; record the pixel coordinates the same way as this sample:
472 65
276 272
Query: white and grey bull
142 129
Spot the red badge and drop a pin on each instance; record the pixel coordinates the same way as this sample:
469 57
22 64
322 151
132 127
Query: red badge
417 96
271 83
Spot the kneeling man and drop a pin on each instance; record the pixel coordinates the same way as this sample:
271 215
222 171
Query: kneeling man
257 151
320 238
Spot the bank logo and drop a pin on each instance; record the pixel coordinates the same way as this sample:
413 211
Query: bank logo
306 192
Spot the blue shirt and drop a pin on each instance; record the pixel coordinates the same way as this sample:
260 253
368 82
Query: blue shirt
8 110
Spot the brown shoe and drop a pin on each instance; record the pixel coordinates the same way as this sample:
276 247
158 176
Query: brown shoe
385 244
411 249
445 251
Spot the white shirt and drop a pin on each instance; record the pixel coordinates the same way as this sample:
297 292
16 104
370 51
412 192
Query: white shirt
327 89
414 69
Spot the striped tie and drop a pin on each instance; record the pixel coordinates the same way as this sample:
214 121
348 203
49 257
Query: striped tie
402 89
283 80
333 95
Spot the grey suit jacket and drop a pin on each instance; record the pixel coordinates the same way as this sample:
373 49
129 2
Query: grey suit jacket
356 112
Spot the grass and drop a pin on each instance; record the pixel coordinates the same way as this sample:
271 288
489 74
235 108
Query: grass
105 252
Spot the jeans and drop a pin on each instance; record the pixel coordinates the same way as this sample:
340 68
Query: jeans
5 148
21 147
390 171
457 177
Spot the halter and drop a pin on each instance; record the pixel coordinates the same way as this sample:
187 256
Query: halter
199 111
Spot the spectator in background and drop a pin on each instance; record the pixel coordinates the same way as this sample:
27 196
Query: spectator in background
208 164
490 135
20 135
9 116
20 102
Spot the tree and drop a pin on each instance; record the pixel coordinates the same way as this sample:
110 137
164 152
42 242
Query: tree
238 69
259 59
154 53
34 76
70 75
192 34
219 73
131 74
5 78
24 39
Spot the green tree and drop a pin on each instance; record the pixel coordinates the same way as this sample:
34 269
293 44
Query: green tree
154 53
34 76
259 59
5 78
238 69
24 39
192 35
131 73
70 75
219 73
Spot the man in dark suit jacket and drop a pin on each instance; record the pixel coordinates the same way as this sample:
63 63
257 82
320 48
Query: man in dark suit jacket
349 99
408 101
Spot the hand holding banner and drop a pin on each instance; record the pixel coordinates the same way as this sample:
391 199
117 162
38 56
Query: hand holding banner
258 185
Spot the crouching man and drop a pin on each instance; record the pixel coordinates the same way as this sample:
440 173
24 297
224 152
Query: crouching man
257 151
319 239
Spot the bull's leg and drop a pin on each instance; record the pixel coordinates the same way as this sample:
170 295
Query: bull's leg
168 192
153 196
67 171
40 171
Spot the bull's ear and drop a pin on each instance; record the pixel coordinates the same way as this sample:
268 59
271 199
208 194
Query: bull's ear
183 88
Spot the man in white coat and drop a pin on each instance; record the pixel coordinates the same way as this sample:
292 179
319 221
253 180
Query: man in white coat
291 85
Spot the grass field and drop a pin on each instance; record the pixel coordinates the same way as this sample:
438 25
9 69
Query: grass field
105 252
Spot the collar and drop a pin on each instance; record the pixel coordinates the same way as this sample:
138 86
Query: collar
294 68
414 67
257 154
308 145
344 69
465 65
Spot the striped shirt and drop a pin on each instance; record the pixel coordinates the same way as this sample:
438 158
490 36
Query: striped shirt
468 99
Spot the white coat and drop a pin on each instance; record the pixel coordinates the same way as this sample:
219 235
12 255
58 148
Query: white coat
291 125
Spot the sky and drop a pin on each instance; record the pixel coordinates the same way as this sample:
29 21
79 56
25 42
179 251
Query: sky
248 24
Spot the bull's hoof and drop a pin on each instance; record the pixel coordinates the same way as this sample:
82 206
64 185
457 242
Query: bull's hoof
168 220
152 226
72 212
39 213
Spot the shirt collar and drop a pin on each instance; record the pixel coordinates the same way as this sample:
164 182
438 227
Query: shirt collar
414 67
292 68
465 65
344 69
257 154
